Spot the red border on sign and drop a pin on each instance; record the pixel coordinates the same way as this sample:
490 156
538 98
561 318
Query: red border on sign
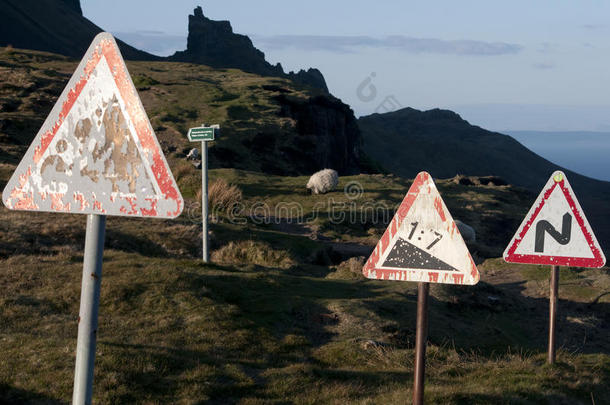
108 49
420 181
596 261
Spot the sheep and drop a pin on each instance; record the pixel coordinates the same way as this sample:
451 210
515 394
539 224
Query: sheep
323 181
468 233
193 154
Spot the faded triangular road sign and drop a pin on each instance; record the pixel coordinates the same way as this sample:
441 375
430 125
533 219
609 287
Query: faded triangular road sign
96 153
422 242
555 231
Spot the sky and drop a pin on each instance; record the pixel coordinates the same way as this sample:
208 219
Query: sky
505 66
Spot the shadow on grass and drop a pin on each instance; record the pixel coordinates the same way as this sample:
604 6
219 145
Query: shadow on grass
217 383
13 395
128 242
486 318
490 319
272 305
281 303
508 398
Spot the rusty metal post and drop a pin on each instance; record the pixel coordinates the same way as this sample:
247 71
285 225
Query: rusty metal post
204 201
89 307
554 284
421 335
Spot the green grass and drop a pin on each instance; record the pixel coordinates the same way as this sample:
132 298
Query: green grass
176 96
143 81
494 212
281 317
277 319
173 330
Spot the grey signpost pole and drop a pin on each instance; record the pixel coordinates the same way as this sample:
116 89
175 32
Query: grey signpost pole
89 307
421 335
79 193
554 284
204 134
204 200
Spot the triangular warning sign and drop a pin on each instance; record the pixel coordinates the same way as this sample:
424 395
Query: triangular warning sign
555 231
96 153
422 242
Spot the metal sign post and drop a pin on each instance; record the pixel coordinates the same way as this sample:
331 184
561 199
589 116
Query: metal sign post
89 307
421 336
95 154
554 284
555 232
204 202
204 134
422 244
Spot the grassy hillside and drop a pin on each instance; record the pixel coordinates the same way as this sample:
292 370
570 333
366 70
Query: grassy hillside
172 330
283 314
267 124
440 141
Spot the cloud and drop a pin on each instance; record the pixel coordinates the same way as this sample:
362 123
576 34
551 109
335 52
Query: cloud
546 47
156 42
544 65
351 44
594 27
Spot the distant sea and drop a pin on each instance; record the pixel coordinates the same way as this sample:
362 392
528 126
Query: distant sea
586 153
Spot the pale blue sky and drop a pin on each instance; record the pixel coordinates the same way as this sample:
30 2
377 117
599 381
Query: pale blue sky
517 65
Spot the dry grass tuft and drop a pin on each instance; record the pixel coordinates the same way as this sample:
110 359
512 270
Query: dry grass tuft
252 252
222 196
350 269
183 170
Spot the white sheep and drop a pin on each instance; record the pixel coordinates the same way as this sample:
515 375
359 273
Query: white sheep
193 154
323 181
468 233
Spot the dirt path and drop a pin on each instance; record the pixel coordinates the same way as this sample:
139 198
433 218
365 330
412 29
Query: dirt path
343 249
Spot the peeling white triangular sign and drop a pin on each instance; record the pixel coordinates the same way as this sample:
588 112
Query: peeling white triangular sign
555 231
96 153
422 242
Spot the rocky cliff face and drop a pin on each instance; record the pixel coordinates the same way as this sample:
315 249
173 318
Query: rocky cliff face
214 43
272 122
327 134
56 26
74 5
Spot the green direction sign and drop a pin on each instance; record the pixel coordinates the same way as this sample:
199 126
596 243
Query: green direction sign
201 134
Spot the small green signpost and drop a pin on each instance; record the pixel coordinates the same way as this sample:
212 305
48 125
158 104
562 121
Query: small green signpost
204 134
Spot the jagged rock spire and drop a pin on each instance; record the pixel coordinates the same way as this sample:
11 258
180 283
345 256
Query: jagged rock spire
214 43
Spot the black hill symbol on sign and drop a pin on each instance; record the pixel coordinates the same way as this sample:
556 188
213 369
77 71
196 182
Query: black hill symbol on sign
405 255
562 238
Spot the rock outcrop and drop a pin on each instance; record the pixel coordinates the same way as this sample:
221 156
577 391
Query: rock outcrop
214 43
327 133
407 141
74 5
56 26
304 134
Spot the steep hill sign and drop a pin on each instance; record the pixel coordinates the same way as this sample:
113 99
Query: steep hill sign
96 152
422 242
